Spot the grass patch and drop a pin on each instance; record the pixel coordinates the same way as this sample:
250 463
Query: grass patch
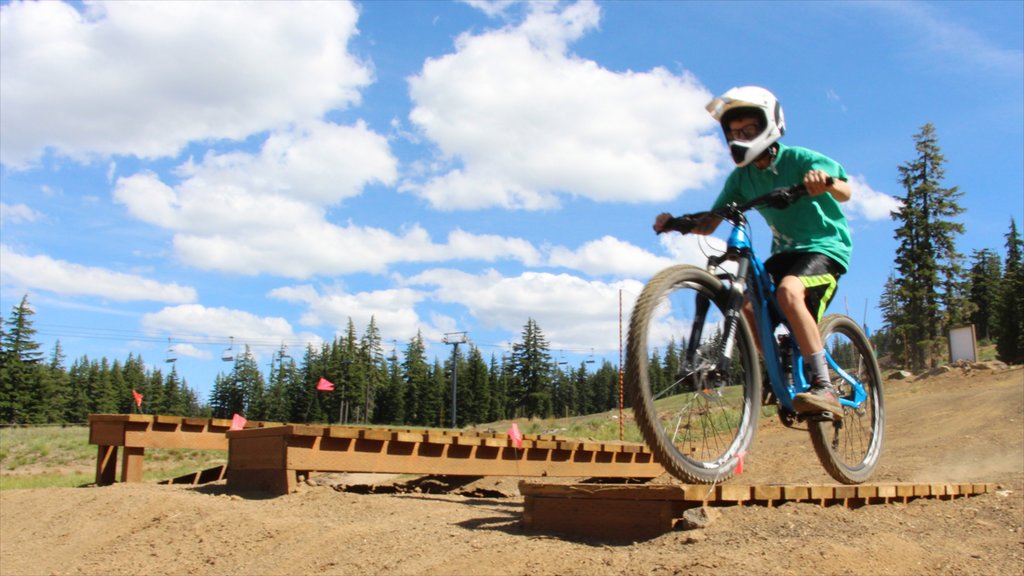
56 456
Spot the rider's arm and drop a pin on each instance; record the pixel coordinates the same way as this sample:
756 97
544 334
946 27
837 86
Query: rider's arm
817 183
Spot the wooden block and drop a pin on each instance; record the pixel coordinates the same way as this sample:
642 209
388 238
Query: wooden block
821 492
619 520
106 465
796 493
844 492
131 464
905 490
409 436
698 492
733 493
886 490
767 492
867 491
276 482
106 433
342 432
375 434
496 442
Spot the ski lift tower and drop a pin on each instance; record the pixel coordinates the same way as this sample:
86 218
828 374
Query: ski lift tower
454 339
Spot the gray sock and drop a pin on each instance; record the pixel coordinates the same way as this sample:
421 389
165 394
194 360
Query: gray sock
817 368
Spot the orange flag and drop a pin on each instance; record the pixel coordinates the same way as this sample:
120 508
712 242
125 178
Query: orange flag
237 422
325 385
138 398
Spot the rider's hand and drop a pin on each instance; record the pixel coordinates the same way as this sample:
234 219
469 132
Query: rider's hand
816 182
659 222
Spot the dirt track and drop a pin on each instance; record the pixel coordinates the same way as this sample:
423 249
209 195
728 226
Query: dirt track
951 428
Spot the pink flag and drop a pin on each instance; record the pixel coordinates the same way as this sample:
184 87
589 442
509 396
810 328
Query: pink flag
515 435
237 422
138 398
739 464
325 385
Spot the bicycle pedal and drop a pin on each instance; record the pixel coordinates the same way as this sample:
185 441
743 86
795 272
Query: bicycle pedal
826 416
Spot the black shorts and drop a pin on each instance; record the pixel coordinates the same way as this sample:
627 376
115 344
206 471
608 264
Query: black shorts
818 273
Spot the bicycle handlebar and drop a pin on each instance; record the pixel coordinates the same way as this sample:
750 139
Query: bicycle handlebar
780 198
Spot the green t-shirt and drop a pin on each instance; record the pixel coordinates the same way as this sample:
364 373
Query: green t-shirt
813 223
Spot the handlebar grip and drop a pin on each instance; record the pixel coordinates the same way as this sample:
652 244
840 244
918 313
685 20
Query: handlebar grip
683 224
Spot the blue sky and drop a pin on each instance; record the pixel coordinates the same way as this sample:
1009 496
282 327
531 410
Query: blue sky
193 173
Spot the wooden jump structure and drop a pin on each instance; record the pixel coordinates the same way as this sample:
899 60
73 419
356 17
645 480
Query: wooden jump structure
273 458
135 432
637 512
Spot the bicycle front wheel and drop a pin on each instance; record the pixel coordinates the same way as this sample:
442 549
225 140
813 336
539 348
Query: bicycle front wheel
698 418
849 449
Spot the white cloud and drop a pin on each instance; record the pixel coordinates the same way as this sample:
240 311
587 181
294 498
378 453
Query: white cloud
62 277
393 310
18 213
573 312
518 120
868 203
195 322
265 212
609 255
150 77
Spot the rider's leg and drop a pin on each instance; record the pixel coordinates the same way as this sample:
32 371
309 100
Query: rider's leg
791 294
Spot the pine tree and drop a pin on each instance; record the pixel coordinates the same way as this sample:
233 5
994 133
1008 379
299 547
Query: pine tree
276 407
390 407
985 283
1010 331
20 362
416 372
371 352
532 367
497 374
927 263
55 387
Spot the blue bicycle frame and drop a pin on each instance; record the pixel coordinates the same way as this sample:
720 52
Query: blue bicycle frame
760 291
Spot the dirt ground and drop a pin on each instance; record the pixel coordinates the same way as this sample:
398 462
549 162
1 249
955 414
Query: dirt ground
955 427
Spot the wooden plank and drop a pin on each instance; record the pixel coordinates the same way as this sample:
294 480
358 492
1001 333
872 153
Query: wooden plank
277 482
844 492
796 492
375 434
343 432
619 520
107 432
106 465
767 493
131 464
886 490
603 491
733 493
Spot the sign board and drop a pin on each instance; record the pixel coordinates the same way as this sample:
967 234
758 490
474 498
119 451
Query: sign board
962 344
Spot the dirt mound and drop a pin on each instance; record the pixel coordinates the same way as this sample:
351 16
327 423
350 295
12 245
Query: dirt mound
956 426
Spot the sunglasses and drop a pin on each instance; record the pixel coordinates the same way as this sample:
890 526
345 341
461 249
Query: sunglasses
748 132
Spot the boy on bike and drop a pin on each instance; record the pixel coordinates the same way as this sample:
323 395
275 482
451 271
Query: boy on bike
811 242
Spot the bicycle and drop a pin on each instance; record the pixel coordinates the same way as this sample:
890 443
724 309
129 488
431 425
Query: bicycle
701 419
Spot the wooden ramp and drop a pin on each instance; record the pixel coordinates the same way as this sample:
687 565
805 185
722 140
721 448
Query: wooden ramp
272 458
214 474
638 512
135 432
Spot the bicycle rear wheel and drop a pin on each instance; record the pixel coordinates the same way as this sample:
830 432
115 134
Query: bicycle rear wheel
700 421
849 449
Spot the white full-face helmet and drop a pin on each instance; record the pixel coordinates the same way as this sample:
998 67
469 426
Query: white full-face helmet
755 101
